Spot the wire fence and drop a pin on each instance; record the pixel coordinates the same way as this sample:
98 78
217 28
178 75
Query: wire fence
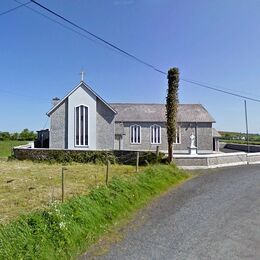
27 186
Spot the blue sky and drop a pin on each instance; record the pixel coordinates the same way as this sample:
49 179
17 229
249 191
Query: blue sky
212 41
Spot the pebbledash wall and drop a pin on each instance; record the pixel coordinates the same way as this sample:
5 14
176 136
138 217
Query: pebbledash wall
59 127
105 127
101 120
102 126
203 132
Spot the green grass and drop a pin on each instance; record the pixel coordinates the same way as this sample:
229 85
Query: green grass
26 186
6 147
240 142
63 231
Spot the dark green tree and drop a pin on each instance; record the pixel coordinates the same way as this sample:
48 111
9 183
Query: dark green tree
14 136
4 136
171 108
27 135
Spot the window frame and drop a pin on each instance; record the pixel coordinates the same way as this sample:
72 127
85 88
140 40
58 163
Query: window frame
176 137
84 126
160 134
135 143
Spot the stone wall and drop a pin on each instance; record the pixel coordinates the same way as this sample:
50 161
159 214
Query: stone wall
129 157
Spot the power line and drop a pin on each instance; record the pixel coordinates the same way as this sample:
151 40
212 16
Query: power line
63 25
13 9
99 38
139 59
116 48
220 90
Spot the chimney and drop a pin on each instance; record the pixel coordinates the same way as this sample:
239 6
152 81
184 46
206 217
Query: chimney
55 101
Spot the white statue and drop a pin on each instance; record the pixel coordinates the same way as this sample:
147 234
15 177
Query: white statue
192 141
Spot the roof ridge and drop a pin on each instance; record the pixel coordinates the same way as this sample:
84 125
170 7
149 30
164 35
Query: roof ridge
121 103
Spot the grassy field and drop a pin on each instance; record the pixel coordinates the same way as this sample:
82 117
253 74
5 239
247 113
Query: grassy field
65 230
240 142
6 147
25 186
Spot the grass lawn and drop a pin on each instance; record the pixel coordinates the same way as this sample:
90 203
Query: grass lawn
6 147
25 186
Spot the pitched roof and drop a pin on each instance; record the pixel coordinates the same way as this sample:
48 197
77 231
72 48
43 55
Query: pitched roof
84 85
156 113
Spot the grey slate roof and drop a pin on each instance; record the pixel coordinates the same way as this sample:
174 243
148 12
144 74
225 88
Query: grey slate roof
156 113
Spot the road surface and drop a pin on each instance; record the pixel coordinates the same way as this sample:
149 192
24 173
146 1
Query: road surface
213 216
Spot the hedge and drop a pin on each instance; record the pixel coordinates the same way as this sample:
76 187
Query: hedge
81 156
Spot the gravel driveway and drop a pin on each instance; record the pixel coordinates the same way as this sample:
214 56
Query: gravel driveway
213 216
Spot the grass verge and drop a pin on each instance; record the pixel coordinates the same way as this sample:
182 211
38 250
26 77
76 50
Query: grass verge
7 146
65 230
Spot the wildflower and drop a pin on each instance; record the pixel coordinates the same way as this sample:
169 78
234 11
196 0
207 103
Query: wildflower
62 225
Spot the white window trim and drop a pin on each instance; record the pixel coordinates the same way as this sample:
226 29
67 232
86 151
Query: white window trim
75 141
179 128
160 133
131 134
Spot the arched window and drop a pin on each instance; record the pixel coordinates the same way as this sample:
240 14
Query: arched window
81 125
135 134
155 134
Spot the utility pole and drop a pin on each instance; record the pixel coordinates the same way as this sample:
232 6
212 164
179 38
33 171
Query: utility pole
248 148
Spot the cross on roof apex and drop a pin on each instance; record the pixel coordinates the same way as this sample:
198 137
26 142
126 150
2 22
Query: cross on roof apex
82 73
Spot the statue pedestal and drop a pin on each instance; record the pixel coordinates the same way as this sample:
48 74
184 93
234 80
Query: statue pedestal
193 150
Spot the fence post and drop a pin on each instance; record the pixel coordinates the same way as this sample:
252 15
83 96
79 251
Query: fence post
107 170
62 184
137 161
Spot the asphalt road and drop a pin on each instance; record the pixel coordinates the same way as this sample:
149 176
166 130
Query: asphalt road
213 216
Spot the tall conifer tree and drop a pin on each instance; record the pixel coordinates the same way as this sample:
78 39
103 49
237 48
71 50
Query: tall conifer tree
171 108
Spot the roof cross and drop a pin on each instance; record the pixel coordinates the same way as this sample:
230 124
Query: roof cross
82 73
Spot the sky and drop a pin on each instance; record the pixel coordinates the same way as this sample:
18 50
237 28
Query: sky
212 41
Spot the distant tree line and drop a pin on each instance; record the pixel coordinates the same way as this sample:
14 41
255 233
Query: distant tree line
236 136
25 135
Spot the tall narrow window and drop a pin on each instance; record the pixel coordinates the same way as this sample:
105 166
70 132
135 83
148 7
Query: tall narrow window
77 125
81 126
135 134
178 137
155 134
